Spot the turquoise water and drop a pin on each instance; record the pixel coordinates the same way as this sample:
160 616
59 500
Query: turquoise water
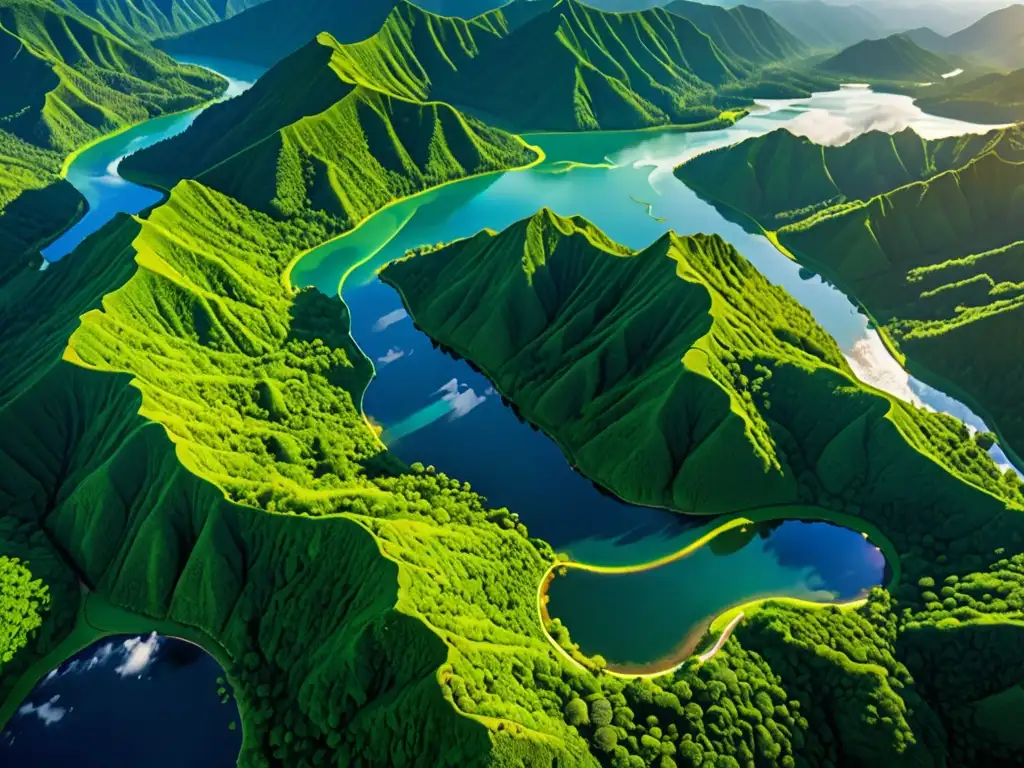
659 615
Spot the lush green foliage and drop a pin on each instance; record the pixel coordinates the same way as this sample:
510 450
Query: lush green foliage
330 150
158 18
896 57
925 233
66 81
23 600
678 376
741 32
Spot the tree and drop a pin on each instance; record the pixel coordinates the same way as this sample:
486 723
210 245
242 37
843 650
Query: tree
605 738
601 712
576 712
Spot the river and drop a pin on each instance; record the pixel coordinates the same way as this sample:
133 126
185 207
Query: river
438 411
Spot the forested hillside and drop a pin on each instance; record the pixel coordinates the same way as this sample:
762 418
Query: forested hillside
994 98
741 32
896 57
925 235
600 70
678 376
154 19
66 81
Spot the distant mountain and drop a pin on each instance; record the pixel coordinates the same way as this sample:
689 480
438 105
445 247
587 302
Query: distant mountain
993 98
154 19
997 38
824 26
267 33
928 38
896 57
64 81
741 32
599 69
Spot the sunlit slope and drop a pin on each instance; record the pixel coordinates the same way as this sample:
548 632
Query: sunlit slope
929 247
72 79
382 615
349 151
896 57
677 376
994 38
153 19
65 81
994 98
742 32
663 372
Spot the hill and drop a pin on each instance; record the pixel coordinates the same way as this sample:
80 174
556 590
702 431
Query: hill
925 235
158 18
895 57
329 145
996 38
823 26
928 39
66 82
597 66
663 372
741 32
994 98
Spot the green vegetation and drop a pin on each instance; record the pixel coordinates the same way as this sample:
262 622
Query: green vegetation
994 39
993 98
158 18
896 57
678 376
333 151
68 81
925 234
602 70
741 32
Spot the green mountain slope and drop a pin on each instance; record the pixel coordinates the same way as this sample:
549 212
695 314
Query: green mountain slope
66 81
928 38
895 57
153 19
741 32
328 147
662 373
995 98
996 38
929 245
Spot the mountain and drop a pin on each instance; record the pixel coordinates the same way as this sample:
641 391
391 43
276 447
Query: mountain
895 57
602 70
304 131
741 32
926 235
67 81
154 19
824 26
996 38
994 98
928 39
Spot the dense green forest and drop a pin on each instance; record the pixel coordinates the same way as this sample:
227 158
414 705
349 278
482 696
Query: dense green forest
896 57
994 98
154 19
678 376
68 81
330 148
924 233
601 70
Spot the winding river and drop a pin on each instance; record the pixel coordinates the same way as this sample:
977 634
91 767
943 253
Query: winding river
439 411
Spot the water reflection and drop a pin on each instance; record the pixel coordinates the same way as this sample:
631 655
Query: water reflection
124 702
